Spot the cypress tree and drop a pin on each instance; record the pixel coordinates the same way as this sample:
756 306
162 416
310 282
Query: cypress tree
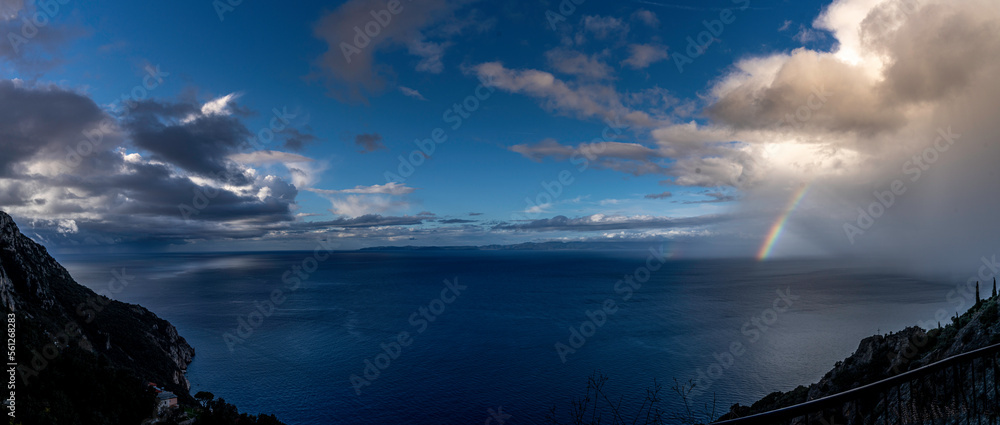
994 287
978 300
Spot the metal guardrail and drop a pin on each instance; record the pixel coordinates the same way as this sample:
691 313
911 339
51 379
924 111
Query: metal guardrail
959 389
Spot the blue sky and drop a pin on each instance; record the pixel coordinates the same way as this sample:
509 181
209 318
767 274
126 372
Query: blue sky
703 152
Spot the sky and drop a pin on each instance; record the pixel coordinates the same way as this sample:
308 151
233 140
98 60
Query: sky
739 128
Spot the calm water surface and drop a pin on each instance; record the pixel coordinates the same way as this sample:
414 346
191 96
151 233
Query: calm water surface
494 345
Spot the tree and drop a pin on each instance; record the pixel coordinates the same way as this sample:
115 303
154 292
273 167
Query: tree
994 287
978 300
204 397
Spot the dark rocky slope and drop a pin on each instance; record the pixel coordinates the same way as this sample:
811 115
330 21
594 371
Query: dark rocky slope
882 356
66 332
84 359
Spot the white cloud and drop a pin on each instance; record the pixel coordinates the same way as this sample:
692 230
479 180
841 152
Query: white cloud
603 27
391 188
571 62
356 205
646 17
582 100
411 93
643 55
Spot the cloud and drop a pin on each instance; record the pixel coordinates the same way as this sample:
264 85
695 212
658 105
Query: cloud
9 9
602 27
600 222
900 75
456 221
579 100
349 64
430 54
296 140
643 55
303 171
715 197
391 188
217 106
33 49
374 220
663 195
631 158
357 205
575 63
411 93
197 138
364 200
646 17
369 142
41 121
268 157
84 177
538 209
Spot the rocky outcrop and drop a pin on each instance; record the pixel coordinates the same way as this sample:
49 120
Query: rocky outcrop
58 317
882 356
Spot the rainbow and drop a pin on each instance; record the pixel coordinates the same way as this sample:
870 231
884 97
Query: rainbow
779 224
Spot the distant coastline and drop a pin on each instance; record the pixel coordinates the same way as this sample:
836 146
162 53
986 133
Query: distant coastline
526 246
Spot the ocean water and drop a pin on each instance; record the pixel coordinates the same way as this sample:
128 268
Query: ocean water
491 350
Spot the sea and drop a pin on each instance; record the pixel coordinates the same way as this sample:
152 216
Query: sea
491 337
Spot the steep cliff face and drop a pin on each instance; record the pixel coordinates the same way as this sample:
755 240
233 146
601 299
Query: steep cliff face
882 356
60 320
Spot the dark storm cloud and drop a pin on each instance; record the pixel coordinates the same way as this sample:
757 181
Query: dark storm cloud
200 144
41 121
63 164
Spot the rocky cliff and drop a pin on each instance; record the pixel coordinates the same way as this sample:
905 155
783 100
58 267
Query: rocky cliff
882 356
64 328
